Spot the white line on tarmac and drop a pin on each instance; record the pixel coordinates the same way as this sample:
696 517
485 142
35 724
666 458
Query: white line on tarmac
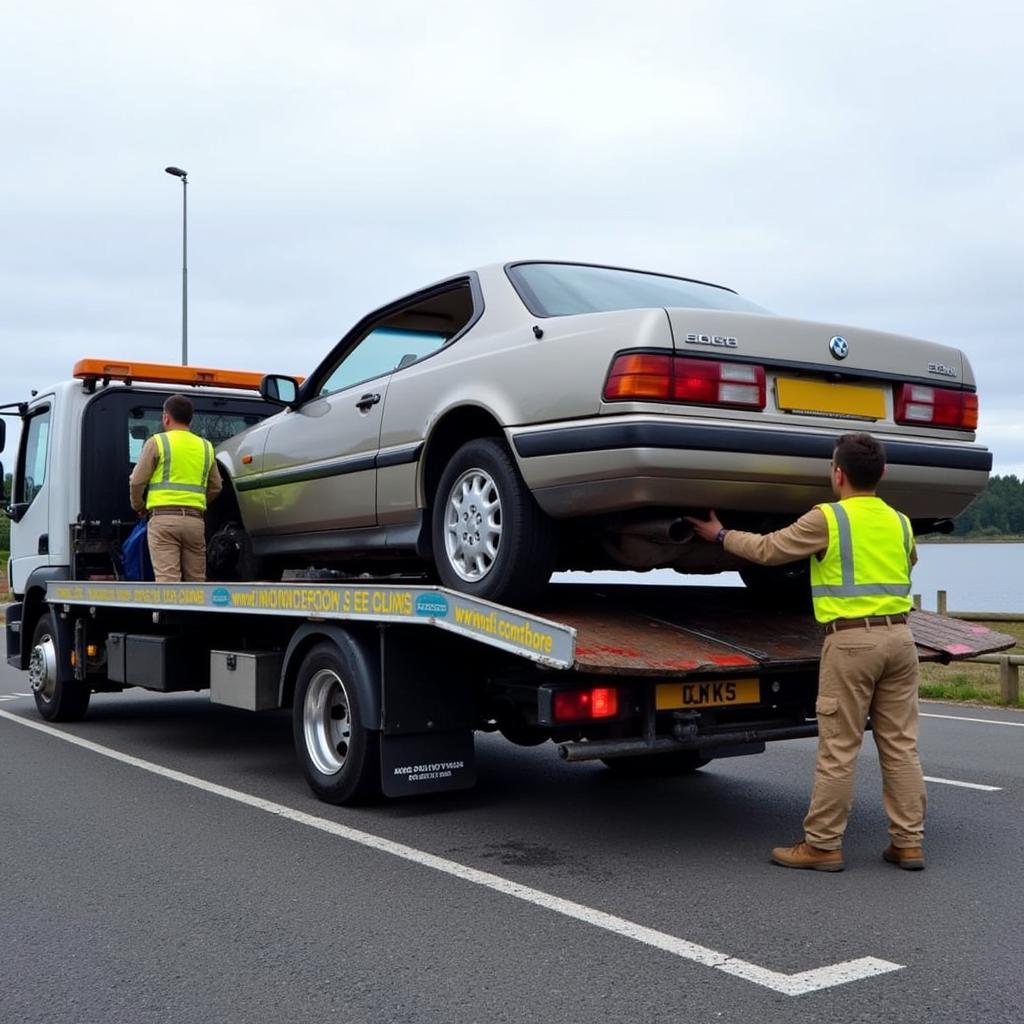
788 984
964 785
984 721
22 694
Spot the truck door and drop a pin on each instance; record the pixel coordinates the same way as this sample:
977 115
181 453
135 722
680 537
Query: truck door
30 504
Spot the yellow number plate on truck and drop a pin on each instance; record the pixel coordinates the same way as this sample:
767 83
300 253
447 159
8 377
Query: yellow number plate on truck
707 695
812 396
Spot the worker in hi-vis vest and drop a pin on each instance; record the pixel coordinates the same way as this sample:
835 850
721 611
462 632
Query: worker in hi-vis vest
861 552
173 481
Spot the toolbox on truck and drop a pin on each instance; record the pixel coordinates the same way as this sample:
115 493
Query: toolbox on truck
164 663
247 680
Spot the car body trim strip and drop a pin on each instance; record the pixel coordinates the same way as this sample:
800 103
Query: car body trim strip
745 440
337 467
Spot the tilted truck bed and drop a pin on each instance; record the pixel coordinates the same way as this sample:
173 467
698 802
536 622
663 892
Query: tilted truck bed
671 632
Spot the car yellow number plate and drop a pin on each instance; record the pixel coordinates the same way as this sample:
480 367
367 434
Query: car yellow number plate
823 398
706 694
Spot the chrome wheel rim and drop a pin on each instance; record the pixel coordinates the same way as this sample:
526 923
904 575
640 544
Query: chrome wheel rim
42 668
472 533
327 722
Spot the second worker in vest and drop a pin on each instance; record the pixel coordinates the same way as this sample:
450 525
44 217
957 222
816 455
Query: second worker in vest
173 481
861 551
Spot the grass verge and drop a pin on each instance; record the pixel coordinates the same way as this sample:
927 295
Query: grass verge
962 681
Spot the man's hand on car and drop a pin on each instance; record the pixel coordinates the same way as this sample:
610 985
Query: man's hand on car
706 529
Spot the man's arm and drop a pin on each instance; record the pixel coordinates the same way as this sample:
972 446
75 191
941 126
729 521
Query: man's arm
214 484
142 474
807 536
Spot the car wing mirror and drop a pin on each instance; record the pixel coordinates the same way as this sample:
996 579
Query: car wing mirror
279 389
140 433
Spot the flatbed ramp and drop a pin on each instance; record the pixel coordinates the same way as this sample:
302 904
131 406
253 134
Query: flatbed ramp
675 632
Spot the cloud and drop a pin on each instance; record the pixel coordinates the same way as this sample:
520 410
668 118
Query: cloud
858 165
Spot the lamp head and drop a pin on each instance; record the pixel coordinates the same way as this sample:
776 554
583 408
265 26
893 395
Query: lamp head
176 171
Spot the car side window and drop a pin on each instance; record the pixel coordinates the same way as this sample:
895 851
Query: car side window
382 350
32 471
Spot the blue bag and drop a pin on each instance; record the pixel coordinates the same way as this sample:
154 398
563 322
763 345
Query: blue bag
135 551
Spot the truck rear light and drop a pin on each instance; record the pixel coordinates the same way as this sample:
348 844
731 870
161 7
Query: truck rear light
638 376
936 407
596 702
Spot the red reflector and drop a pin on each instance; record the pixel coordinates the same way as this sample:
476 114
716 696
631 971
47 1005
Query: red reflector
598 702
936 407
640 376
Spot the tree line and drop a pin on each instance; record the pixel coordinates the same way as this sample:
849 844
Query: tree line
997 511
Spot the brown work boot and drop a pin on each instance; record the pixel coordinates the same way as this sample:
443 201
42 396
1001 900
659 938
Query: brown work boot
803 855
910 858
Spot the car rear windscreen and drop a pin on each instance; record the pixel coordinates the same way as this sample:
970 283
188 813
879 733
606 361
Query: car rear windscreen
564 289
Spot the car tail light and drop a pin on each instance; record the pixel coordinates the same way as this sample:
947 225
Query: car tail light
644 376
640 376
596 702
936 407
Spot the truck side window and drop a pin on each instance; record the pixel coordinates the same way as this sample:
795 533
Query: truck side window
32 471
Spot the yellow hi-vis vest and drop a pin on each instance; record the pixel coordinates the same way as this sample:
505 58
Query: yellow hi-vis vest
866 567
182 465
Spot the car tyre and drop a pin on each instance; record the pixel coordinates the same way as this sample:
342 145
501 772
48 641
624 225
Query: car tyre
57 700
649 766
229 555
340 757
490 538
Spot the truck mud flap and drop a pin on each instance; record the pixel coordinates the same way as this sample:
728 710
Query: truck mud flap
411 765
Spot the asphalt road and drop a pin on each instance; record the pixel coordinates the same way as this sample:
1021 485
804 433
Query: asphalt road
129 896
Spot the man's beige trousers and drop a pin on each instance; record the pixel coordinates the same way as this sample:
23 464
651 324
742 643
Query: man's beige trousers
870 670
177 547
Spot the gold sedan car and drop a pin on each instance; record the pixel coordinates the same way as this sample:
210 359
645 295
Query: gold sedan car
529 416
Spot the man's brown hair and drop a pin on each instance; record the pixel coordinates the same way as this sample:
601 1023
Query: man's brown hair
862 458
179 408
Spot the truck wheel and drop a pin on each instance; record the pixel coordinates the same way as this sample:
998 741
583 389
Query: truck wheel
56 701
490 538
681 762
340 757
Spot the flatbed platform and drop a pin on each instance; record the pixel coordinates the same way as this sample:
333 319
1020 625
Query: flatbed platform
669 632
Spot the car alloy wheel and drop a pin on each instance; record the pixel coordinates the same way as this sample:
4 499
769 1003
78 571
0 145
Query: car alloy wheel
472 532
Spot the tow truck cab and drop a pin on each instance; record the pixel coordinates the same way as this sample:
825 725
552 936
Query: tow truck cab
79 440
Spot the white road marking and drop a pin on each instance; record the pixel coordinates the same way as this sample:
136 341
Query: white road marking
22 695
788 984
984 721
965 785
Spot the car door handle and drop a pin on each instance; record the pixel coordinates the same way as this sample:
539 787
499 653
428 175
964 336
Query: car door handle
367 400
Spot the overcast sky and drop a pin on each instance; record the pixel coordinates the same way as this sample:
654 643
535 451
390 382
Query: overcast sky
858 163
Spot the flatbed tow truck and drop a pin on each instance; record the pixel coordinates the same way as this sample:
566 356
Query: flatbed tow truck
388 679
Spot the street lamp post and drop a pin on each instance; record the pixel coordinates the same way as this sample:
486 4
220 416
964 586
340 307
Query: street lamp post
179 173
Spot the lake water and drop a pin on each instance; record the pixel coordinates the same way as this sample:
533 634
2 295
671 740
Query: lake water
977 577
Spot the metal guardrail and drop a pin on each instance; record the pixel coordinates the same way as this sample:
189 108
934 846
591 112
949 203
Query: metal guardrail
1009 664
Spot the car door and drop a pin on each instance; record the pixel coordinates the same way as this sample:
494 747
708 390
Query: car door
30 528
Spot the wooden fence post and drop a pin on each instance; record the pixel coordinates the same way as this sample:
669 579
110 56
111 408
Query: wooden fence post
917 602
940 602
1009 680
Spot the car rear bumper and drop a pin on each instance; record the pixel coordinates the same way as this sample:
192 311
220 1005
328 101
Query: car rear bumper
586 468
